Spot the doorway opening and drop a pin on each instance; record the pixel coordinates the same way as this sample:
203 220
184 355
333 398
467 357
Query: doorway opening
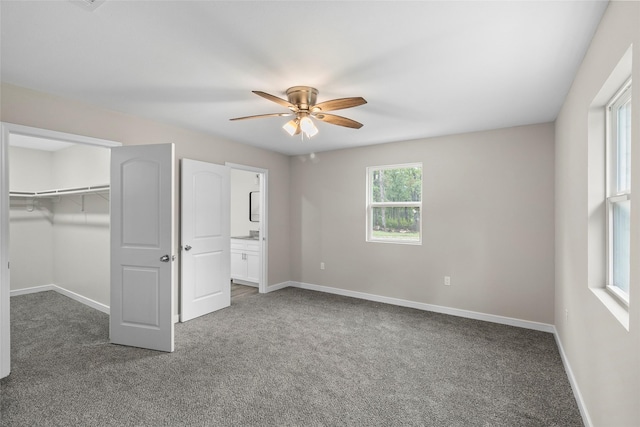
249 220
34 205
59 219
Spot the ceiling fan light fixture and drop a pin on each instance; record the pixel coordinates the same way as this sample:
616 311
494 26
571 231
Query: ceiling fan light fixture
291 126
301 101
308 127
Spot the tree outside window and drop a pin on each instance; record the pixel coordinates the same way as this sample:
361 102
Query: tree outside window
394 202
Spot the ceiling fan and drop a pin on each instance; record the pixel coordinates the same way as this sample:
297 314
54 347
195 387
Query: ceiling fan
302 103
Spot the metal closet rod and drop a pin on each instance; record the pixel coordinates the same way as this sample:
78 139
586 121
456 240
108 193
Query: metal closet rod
60 191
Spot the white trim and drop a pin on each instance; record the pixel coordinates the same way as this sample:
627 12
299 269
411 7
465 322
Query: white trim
619 198
58 136
263 237
281 285
32 290
397 166
615 307
586 419
84 300
527 324
5 318
619 294
613 194
70 294
396 204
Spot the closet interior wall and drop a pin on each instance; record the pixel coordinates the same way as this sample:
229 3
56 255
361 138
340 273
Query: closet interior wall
60 240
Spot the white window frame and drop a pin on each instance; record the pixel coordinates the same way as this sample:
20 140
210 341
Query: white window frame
613 196
371 205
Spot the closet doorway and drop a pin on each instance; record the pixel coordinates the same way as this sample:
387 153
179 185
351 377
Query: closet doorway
59 219
55 194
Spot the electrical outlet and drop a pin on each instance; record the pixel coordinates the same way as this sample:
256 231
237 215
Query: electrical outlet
447 280
566 314
322 266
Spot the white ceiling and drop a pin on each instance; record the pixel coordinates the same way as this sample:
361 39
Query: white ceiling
426 68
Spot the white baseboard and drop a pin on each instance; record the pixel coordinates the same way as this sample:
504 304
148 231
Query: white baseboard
282 285
70 294
86 301
537 326
32 290
544 327
572 380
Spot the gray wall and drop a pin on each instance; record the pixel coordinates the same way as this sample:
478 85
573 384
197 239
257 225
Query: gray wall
31 233
59 243
487 223
81 238
32 108
603 355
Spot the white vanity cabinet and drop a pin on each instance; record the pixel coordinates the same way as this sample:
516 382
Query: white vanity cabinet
245 260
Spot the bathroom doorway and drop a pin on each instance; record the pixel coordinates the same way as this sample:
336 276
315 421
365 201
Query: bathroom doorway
249 234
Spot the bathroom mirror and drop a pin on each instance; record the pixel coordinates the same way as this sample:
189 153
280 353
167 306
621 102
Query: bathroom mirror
254 206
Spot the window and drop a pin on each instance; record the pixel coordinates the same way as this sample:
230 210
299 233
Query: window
394 203
618 198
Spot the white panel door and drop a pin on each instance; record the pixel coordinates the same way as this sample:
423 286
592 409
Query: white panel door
142 203
205 229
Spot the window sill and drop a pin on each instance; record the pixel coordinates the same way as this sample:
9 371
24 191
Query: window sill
396 242
620 296
615 307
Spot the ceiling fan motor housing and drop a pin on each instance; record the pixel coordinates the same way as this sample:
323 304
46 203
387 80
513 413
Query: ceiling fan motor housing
302 97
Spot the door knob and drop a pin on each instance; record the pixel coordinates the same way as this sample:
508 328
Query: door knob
187 248
165 258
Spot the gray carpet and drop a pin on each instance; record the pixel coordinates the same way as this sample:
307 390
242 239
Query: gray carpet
288 358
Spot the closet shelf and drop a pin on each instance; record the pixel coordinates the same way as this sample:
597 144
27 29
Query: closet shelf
60 192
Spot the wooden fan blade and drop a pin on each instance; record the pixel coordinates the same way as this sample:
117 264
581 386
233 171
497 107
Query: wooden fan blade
275 99
338 120
339 104
259 116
